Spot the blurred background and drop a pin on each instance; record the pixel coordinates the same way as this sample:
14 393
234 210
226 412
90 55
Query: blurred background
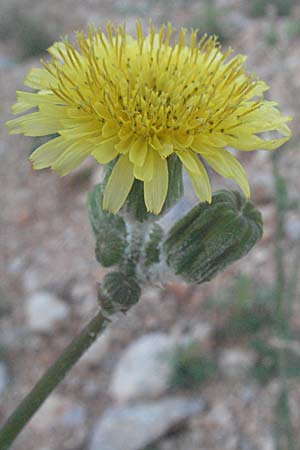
189 368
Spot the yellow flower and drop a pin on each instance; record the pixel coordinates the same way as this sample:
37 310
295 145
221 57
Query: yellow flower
140 100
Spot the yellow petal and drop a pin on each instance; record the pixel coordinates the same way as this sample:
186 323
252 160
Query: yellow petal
105 151
189 160
229 167
167 149
215 139
48 153
249 142
28 100
34 124
145 173
183 140
124 145
118 185
102 111
138 151
155 142
200 182
109 129
155 190
38 78
72 157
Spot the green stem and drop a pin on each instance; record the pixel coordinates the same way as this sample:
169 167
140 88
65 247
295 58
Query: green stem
284 432
54 375
279 234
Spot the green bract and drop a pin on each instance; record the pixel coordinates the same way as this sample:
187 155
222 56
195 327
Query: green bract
152 248
100 218
109 230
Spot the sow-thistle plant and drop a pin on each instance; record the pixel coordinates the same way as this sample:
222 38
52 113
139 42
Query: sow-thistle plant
145 107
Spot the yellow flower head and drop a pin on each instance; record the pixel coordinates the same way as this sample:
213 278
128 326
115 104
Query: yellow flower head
140 100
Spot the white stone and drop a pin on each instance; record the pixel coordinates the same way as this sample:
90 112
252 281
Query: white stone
144 369
292 228
31 280
59 410
266 441
135 427
44 310
236 362
202 332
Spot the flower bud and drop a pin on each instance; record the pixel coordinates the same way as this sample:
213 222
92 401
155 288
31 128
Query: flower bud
118 292
212 236
110 246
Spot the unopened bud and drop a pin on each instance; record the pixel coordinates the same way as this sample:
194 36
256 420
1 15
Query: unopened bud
118 292
110 247
212 236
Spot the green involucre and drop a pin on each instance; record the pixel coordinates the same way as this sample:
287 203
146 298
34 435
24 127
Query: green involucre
212 236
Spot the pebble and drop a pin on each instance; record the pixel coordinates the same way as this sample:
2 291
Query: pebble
31 280
59 411
136 426
193 332
236 362
43 310
144 369
292 228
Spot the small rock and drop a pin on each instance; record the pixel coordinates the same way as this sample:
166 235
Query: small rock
74 416
249 393
202 332
266 442
4 378
144 369
135 427
221 416
59 411
16 265
43 310
31 280
292 228
236 362
222 421
193 332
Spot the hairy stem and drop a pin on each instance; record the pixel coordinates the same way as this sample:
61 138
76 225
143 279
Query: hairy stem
48 382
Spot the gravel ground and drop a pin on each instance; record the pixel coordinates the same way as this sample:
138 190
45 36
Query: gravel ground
46 246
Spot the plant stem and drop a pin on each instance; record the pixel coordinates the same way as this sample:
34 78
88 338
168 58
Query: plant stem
48 382
284 432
